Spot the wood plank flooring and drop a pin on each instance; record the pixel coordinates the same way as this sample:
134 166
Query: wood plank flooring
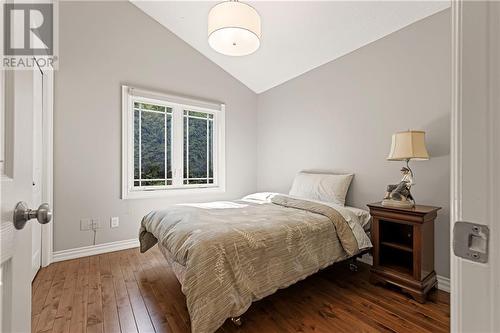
127 291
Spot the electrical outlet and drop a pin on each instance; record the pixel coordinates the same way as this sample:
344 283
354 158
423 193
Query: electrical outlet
85 224
95 224
115 222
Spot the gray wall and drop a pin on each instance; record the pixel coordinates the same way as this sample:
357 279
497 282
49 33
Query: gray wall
104 45
341 115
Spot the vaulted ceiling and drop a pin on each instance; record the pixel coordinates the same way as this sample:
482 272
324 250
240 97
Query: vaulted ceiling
296 36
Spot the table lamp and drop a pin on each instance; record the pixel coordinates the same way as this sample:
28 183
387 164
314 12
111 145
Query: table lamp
406 146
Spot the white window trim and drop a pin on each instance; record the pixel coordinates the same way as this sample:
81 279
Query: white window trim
176 103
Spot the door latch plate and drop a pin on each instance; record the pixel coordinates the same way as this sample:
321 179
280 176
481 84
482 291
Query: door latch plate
470 241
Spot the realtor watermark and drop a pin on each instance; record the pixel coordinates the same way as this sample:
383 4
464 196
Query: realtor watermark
29 36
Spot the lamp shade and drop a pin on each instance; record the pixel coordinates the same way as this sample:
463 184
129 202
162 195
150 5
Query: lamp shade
234 28
408 145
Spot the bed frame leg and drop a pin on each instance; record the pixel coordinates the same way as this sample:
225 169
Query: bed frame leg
353 264
237 321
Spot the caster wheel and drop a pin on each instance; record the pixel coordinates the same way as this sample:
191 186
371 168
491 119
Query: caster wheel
237 321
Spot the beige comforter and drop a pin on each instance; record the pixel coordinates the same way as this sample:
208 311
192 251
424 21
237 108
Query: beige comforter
237 252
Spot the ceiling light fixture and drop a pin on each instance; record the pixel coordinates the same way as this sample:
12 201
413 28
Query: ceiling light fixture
234 28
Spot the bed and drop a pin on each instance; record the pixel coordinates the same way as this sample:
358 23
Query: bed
228 254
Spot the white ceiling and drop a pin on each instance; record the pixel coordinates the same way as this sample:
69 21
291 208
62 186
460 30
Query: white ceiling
296 36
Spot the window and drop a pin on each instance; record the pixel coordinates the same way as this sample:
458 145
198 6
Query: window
171 145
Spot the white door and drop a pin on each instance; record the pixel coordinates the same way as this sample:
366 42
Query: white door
475 287
17 170
17 186
36 228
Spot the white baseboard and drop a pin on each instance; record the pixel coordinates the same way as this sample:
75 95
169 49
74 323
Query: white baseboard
86 251
443 282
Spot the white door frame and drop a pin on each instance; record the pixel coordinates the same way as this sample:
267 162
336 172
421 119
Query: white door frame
460 318
455 152
48 164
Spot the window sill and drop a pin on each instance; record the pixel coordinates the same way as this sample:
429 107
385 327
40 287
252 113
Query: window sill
171 192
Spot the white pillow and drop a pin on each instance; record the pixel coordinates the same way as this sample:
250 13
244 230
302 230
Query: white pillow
322 187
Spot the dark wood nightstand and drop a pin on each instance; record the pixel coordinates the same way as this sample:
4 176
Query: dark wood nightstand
403 248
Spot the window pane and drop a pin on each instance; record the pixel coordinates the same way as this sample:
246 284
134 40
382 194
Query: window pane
197 148
197 181
210 149
169 145
152 145
185 154
198 114
152 107
153 183
136 144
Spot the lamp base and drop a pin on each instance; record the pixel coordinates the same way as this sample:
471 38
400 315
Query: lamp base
397 203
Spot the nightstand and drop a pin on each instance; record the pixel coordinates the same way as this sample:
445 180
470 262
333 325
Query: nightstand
403 248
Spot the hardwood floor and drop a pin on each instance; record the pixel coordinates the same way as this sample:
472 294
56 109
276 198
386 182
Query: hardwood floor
127 291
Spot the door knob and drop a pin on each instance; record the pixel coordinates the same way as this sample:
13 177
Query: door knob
23 214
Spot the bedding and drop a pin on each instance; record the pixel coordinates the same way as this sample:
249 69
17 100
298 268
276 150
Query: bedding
352 215
320 186
228 254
